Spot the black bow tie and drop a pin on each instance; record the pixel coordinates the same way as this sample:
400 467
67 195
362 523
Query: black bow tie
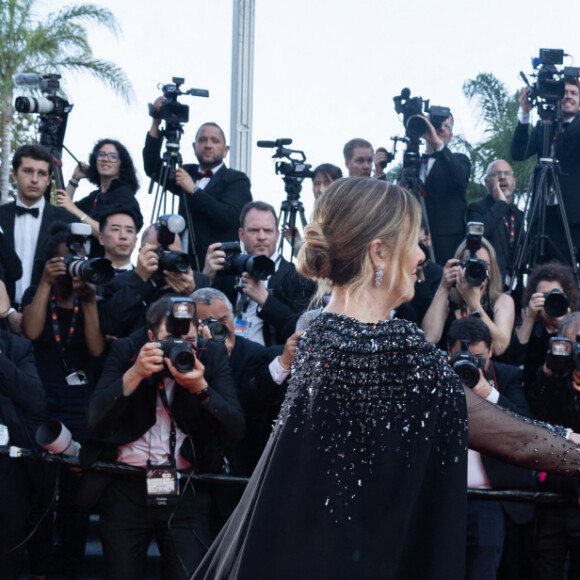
202 174
33 211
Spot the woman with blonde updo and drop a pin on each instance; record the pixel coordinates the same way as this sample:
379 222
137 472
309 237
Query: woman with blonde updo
364 475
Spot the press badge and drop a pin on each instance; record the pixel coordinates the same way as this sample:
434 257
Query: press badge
162 485
77 379
241 327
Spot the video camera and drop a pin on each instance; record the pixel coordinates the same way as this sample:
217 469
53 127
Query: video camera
260 267
549 87
49 85
295 167
413 107
172 111
168 226
93 270
563 356
466 365
475 269
178 319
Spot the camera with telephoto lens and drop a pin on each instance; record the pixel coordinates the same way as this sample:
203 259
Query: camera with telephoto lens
93 270
556 303
178 319
168 226
50 103
413 107
475 269
466 365
172 111
218 330
563 356
260 267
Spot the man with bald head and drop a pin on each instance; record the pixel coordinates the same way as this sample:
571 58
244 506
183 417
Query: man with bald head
498 213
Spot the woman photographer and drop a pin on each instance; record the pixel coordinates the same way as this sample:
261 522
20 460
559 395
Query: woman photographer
111 169
60 318
456 298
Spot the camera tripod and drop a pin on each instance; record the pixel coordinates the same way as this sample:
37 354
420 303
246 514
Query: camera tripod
543 190
170 161
287 216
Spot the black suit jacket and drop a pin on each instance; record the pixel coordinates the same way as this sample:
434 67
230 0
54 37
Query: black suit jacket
493 215
50 215
215 210
116 419
445 201
567 151
504 475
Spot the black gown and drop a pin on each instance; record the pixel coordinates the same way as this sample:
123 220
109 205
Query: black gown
365 474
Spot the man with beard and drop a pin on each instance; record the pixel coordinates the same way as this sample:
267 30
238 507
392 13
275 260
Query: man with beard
212 193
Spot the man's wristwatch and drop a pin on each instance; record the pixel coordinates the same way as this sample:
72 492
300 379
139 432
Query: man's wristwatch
202 395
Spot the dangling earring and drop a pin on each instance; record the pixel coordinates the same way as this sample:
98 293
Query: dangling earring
379 276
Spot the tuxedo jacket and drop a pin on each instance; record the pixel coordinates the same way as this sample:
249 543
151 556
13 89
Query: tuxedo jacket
445 202
567 149
214 210
50 215
504 475
493 215
116 419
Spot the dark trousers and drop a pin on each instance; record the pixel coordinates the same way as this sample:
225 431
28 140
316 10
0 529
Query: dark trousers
127 524
485 538
556 538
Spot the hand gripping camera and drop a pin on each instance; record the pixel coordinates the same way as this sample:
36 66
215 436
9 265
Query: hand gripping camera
178 319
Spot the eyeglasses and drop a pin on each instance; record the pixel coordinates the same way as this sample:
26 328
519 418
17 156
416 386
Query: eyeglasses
500 173
448 127
110 155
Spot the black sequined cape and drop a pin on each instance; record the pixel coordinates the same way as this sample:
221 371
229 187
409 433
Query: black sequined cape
364 476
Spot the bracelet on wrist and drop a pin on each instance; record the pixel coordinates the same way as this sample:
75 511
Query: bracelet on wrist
73 182
83 217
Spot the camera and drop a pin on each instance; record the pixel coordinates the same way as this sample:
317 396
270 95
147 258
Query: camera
475 269
556 303
413 107
260 267
49 86
466 365
218 330
563 355
167 226
549 87
93 270
172 111
178 319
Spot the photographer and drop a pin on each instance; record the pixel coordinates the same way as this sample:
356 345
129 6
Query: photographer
501 218
60 318
554 398
566 149
457 298
445 176
499 384
146 413
553 281
127 297
266 311
214 193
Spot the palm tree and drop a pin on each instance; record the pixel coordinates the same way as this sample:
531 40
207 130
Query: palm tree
497 117
53 44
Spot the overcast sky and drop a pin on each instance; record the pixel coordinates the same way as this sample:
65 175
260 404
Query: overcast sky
325 70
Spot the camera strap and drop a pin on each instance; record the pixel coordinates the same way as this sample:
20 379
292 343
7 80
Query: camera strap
62 343
162 482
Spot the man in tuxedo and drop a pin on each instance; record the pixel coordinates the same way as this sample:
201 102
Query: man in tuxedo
445 176
265 310
502 220
211 193
26 222
565 147
500 384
